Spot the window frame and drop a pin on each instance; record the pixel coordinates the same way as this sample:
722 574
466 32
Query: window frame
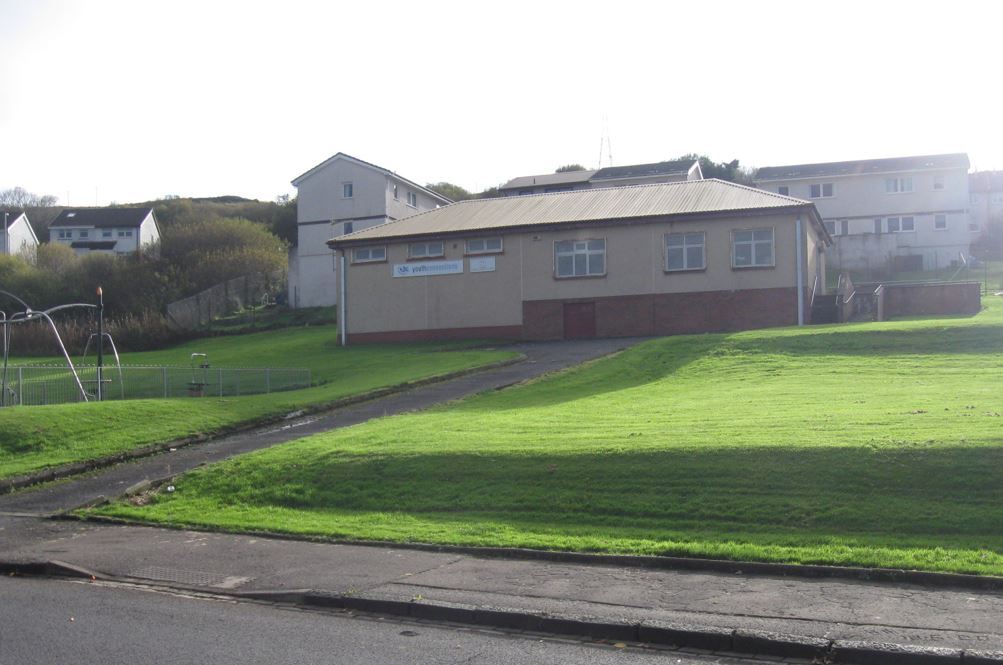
686 267
396 193
418 257
821 190
936 221
899 182
588 252
753 242
900 224
357 260
412 199
347 227
347 190
939 179
475 252
784 190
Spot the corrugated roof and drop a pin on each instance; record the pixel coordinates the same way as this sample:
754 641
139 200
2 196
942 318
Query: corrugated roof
587 205
101 217
548 179
864 166
645 170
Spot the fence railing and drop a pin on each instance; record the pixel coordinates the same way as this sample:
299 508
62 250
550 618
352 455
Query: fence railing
38 385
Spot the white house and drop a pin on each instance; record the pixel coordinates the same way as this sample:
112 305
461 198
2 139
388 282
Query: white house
904 213
17 235
119 231
611 176
340 195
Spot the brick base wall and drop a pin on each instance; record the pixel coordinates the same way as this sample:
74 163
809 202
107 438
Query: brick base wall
932 299
437 335
669 313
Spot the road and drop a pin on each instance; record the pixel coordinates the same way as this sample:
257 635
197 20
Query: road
50 622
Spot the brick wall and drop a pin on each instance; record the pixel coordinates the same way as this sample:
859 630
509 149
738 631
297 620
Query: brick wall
932 299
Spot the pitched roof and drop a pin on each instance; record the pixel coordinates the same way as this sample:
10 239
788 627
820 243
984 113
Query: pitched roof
680 166
14 217
985 181
549 179
102 217
341 155
864 167
597 206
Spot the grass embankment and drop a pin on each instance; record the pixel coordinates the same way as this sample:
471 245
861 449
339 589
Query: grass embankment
34 438
868 444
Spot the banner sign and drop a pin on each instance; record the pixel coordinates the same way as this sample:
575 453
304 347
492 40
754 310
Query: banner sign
427 268
482 264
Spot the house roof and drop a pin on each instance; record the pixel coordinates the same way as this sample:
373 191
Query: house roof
549 179
596 206
864 167
985 181
100 218
15 217
681 166
341 155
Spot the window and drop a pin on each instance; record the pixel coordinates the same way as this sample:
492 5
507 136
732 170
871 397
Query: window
412 199
940 222
830 227
125 233
348 227
526 192
396 196
63 235
106 234
484 245
558 188
424 250
347 190
997 197
752 248
938 182
369 254
684 251
901 224
898 185
784 189
838 228
580 258
821 190
84 234
877 225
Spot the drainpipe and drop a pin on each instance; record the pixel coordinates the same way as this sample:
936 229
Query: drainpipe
800 271
343 301
6 236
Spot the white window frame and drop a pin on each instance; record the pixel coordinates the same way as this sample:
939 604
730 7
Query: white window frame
821 190
580 246
412 199
484 249
366 254
396 193
347 190
878 225
900 224
690 240
898 185
107 233
347 227
84 233
938 183
754 243
424 250
937 219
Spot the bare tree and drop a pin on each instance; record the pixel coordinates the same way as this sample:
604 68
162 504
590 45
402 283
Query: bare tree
19 197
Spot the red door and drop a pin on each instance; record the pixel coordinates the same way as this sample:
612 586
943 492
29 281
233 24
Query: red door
579 320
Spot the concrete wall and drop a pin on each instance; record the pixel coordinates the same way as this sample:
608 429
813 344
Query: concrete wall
932 299
524 272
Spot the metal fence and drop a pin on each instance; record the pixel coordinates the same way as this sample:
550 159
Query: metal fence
37 385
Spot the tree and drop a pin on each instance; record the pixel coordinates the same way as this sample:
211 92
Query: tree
567 168
450 191
731 171
20 198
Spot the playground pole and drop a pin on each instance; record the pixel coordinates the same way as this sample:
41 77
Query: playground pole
100 390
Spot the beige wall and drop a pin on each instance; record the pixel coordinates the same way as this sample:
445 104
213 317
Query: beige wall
635 255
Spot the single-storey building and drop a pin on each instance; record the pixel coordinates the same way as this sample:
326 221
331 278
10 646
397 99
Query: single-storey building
17 235
685 257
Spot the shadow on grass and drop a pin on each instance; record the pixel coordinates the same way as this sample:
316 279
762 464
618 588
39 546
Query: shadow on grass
917 494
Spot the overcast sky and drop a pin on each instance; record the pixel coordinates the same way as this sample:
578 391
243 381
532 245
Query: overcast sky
128 101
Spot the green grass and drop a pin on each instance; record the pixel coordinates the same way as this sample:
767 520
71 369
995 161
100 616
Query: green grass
37 437
874 444
270 318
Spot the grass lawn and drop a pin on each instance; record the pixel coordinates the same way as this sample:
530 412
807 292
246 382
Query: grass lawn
877 444
37 437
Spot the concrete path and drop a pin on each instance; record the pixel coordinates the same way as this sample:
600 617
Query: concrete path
827 609
541 357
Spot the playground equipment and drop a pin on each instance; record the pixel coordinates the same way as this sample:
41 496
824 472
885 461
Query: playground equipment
200 375
28 315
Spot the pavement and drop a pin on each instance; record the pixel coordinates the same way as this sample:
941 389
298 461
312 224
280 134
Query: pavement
826 619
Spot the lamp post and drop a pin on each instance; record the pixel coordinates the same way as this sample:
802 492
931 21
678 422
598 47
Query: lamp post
100 388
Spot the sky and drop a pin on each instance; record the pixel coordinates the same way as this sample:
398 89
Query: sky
127 101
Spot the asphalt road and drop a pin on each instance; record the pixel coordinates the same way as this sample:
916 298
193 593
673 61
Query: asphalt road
55 621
